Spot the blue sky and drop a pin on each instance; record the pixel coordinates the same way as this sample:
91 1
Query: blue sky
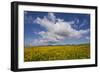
53 28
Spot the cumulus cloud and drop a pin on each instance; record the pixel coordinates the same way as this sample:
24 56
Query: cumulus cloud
57 29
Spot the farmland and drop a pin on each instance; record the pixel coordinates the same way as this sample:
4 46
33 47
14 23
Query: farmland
57 52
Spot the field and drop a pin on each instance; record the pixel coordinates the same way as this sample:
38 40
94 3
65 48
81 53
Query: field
66 52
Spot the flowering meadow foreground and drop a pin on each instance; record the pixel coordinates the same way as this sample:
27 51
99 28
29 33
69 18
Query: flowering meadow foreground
57 52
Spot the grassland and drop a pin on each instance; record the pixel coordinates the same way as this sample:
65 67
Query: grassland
66 52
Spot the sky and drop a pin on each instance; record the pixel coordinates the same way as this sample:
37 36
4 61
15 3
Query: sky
55 28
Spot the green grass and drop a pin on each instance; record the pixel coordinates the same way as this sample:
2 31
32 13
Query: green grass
66 52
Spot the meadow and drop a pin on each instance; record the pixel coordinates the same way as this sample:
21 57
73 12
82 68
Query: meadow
65 52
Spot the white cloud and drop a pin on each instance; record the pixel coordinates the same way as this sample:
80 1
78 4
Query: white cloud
37 42
77 20
52 17
83 24
88 38
58 29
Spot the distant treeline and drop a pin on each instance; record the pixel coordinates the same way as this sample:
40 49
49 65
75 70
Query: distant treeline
61 45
